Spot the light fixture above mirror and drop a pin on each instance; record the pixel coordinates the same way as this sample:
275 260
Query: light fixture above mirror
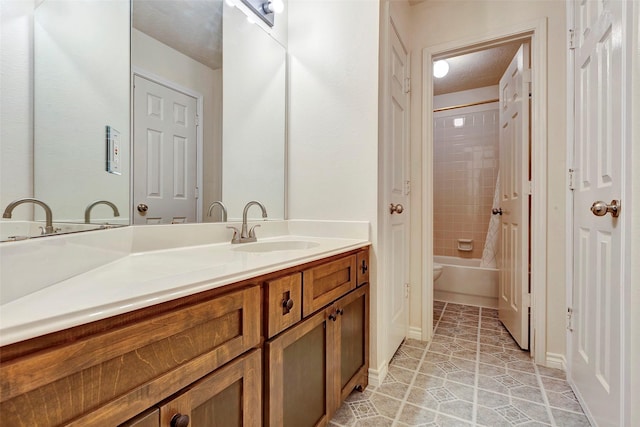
265 9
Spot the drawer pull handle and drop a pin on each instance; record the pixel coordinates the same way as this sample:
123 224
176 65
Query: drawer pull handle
363 267
179 420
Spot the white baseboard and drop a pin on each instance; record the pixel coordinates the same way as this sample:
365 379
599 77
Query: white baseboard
555 360
415 333
377 376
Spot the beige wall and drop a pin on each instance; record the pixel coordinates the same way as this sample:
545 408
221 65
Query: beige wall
16 111
333 122
436 22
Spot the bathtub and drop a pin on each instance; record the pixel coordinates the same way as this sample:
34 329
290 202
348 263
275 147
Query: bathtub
463 281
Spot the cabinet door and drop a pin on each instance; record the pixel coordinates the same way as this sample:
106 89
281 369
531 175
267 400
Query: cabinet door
297 375
230 396
351 342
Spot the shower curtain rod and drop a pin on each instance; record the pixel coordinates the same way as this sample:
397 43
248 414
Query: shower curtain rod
472 104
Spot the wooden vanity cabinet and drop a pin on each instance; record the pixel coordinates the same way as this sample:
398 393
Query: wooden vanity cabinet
312 367
125 367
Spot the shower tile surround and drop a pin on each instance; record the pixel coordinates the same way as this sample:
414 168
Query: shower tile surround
465 165
471 374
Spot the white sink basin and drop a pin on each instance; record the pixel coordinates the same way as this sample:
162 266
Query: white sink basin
282 245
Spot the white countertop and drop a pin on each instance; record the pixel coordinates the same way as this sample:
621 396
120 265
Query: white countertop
142 279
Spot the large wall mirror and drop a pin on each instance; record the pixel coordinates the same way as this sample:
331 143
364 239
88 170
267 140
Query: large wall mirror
164 105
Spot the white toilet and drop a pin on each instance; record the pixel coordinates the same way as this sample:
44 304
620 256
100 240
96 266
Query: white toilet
437 271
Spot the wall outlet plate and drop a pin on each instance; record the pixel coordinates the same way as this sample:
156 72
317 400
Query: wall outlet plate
113 150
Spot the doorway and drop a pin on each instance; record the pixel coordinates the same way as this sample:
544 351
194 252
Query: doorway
536 34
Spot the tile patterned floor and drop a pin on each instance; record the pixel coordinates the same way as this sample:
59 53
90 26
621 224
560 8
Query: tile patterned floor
471 374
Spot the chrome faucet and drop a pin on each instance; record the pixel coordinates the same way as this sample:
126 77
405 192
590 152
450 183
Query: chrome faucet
222 207
48 229
87 211
247 235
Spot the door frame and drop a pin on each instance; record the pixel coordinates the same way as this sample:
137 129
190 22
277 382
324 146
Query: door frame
141 72
536 30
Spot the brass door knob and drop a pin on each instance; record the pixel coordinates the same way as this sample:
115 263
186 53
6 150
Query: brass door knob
600 208
142 208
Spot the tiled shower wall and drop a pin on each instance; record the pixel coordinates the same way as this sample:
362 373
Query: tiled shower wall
465 170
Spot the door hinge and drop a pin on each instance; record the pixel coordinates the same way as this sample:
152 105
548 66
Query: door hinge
530 187
197 192
406 290
407 84
572 36
571 187
526 300
407 187
569 319
197 120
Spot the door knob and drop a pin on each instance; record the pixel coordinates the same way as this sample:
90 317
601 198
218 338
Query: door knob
600 208
396 208
142 208
496 211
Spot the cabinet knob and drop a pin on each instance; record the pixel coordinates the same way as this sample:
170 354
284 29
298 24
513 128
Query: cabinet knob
333 316
179 420
287 304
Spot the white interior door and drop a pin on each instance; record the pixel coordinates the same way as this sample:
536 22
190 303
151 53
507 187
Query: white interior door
514 297
165 149
600 116
396 180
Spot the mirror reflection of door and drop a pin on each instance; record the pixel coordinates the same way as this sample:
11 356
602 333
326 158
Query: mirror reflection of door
165 164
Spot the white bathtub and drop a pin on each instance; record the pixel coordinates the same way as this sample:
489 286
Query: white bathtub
463 281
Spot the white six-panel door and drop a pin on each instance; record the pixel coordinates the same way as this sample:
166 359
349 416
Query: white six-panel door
165 164
513 257
397 170
596 323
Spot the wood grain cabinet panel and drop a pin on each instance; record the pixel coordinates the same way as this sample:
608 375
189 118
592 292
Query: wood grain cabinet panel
106 378
229 397
298 373
325 283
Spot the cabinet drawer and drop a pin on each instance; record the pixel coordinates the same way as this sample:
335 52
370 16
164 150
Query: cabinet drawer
284 303
325 283
104 378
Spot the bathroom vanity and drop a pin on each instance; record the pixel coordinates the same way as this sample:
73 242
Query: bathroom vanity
280 348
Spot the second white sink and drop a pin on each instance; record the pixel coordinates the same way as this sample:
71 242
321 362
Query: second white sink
282 245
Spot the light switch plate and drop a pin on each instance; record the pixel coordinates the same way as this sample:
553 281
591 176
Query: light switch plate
113 151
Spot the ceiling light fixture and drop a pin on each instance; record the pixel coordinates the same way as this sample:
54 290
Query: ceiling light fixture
440 68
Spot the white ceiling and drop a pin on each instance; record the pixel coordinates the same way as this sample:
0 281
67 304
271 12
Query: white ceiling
193 27
476 69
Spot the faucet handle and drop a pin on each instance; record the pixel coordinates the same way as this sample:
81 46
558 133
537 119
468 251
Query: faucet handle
252 232
236 234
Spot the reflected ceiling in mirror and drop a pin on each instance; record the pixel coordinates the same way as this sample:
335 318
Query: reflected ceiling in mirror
194 63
